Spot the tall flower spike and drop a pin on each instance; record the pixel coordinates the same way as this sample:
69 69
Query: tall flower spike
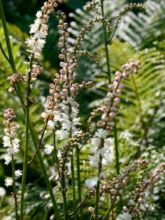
39 29
61 110
108 113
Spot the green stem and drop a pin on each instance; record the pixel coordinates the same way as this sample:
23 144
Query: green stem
10 59
78 207
14 188
70 136
63 184
55 151
44 172
109 78
78 179
73 182
106 43
39 143
98 189
4 54
10 54
25 162
117 164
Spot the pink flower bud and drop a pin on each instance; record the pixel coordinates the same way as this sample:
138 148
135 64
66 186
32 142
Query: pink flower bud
117 100
100 123
113 191
9 113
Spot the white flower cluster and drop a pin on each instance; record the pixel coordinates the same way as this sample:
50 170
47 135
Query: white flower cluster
8 181
124 216
39 29
106 151
91 182
67 118
12 144
10 141
2 192
48 149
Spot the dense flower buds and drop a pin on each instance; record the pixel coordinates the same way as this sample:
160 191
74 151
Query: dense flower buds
112 100
101 143
10 142
39 29
9 114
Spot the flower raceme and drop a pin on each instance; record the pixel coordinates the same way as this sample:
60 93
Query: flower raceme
61 109
101 143
10 142
110 106
39 29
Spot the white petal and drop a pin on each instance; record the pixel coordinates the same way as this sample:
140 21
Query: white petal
91 182
2 192
48 149
18 173
8 181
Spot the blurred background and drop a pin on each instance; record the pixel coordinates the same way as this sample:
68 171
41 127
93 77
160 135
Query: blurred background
22 14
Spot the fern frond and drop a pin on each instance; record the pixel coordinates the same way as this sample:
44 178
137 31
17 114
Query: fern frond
141 97
144 29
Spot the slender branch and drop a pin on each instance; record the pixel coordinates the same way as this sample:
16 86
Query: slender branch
39 143
4 53
14 184
55 151
73 181
72 156
63 184
110 208
10 54
109 79
78 207
14 188
18 91
116 149
44 172
106 42
25 163
98 188
78 178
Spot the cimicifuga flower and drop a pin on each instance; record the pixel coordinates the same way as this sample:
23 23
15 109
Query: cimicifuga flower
101 143
91 182
48 149
10 141
18 173
39 29
106 151
61 109
124 216
8 181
